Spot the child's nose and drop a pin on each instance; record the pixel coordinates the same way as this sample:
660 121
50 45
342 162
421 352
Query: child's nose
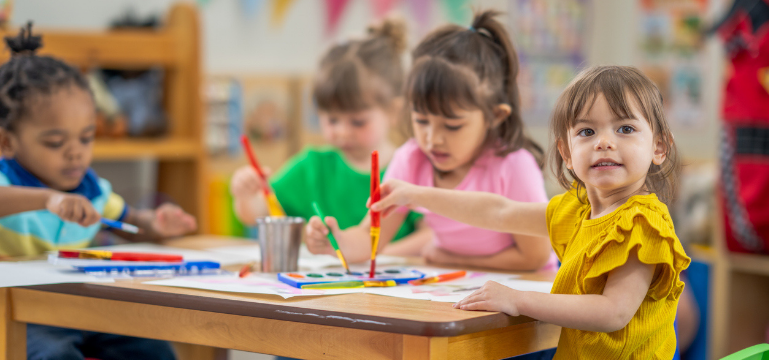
605 142
434 137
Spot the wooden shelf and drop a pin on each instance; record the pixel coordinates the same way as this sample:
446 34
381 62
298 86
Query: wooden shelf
124 49
750 264
131 149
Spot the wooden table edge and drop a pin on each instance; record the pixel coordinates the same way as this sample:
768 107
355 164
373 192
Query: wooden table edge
286 312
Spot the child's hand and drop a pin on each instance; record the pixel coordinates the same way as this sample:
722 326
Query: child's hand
170 220
395 193
317 235
246 182
492 296
73 208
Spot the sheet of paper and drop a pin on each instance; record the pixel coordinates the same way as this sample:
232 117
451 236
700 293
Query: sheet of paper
307 260
449 291
254 284
26 273
223 259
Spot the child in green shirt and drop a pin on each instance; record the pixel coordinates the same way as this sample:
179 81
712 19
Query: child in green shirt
358 91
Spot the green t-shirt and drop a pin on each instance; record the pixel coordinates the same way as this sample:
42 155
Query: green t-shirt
322 175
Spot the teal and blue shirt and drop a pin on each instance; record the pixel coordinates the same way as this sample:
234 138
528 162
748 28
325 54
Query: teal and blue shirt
36 232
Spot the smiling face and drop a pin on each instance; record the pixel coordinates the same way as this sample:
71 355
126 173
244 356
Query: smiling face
608 152
54 141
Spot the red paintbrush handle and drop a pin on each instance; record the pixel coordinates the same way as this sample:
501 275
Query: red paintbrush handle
254 163
128 256
375 194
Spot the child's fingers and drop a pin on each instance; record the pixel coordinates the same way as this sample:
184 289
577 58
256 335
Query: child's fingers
316 226
333 224
480 305
90 216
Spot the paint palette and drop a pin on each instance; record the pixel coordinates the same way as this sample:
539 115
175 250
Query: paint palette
299 278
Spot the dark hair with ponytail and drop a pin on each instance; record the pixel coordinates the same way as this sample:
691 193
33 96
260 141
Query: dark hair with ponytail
361 74
471 68
26 75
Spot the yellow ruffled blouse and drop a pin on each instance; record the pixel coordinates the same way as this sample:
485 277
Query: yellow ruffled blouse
590 248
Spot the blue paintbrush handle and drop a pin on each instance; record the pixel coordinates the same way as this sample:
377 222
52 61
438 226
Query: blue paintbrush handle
120 225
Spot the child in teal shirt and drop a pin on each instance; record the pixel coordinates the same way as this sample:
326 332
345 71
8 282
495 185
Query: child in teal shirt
358 91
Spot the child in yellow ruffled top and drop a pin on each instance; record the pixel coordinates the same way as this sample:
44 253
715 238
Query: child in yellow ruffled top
617 290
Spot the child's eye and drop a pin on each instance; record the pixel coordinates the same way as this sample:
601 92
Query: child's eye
626 129
421 121
53 144
358 123
586 132
332 121
453 128
86 140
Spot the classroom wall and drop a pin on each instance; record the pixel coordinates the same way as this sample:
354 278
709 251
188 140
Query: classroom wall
248 44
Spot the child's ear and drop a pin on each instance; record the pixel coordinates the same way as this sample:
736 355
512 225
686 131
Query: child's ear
660 151
565 154
501 112
7 148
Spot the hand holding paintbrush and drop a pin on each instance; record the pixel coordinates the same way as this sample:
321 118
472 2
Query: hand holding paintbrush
273 206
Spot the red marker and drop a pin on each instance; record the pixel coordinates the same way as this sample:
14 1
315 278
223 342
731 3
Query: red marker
118 256
375 215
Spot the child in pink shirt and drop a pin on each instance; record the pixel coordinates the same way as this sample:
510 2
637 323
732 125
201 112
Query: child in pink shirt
467 134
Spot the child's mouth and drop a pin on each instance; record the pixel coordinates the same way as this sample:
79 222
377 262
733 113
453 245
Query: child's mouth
439 156
605 165
73 172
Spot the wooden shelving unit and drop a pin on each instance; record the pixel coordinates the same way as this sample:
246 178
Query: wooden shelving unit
182 167
739 309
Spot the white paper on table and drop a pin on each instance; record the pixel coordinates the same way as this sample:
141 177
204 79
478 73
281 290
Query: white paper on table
254 284
307 260
446 291
187 254
27 273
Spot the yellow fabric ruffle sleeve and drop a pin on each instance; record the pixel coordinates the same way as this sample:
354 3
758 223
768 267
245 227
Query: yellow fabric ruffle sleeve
646 228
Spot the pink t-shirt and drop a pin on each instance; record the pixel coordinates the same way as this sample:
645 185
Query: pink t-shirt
515 176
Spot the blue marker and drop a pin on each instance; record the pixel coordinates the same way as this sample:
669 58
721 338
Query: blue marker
121 226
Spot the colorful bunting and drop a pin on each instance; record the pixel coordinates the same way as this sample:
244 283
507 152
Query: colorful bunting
334 11
280 9
381 8
458 11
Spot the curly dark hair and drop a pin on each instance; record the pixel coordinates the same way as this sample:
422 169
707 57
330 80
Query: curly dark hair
27 74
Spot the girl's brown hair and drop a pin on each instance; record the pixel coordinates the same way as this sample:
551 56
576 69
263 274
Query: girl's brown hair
623 87
361 74
471 68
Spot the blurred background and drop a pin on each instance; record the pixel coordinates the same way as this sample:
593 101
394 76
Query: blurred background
177 83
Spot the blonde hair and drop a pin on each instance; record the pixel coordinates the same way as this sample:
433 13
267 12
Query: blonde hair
361 74
622 86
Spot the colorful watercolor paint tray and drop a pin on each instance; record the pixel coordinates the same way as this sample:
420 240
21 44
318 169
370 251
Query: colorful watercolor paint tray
299 278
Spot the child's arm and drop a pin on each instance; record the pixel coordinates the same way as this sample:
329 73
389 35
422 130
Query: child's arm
625 290
412 244
69 207
355 242
530 253
246 190
166 221
479 209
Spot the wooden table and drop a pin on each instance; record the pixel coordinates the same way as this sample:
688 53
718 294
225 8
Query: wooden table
319 327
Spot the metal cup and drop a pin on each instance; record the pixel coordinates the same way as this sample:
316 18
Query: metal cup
279 240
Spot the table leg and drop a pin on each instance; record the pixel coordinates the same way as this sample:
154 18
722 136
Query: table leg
424 348
13 334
